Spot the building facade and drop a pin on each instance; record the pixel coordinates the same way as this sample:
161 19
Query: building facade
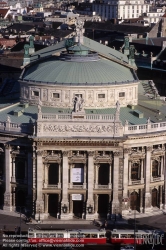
78 143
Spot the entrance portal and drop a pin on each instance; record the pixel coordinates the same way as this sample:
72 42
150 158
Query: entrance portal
78 208
134 201
53 204
154 197
103 202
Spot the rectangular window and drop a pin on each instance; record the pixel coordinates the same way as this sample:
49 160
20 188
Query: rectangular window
121 94
56 95
101 95
35 93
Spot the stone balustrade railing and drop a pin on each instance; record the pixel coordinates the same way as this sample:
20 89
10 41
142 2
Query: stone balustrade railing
156 179
16 127
144 128
87 117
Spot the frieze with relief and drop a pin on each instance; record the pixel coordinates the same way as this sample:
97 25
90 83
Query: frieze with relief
104 158
77 158
78 128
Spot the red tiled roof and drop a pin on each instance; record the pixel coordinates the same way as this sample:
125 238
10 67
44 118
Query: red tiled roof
3 12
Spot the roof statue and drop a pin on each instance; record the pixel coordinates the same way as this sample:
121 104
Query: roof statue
8 119
78 103
148 121
131 52
79 30
31 41
126 42
26 50
117 106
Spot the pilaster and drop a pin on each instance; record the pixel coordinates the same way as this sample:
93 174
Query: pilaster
8 196
115 202
148 174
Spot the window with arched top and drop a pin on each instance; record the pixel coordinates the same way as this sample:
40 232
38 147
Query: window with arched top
135 171
155 168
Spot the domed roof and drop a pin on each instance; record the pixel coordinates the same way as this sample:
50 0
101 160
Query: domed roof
80 70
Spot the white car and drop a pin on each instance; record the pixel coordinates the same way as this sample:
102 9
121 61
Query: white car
128 247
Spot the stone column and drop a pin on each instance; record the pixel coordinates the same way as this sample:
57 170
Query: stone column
65 183
110 176
96 196
34 159
97 175
46 167
125 172
13 178
29 180
90 200
115 202
142 171
39 201
7 196
84 184
59 178
148 175
162 171
71 204
129 172
71 183
141 200
46 203
161 205
13 197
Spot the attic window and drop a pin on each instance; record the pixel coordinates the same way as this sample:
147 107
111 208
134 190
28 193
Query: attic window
55 95
122 94
35 93
101 95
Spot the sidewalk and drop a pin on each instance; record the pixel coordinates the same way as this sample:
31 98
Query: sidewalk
142 215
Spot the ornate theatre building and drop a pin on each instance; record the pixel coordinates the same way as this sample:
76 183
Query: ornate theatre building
84 139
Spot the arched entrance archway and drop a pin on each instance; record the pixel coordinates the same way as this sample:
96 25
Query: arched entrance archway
134 201
103 202
53 204
154 197
20 199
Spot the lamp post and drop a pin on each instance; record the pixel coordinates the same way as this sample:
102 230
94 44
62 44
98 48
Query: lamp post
20 207
64 209
89 209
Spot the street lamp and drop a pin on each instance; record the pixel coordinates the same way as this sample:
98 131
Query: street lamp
89 209
20 207
64 209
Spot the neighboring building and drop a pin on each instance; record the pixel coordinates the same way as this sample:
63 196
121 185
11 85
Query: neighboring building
109 9
86 139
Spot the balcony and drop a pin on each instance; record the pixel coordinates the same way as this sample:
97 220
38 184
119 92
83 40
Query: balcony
98 186
135 182
72 186
158 178
52 186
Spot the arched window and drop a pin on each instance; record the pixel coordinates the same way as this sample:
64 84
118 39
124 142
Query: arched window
155 168
135 171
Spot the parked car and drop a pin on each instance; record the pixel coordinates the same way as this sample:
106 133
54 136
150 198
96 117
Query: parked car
127 247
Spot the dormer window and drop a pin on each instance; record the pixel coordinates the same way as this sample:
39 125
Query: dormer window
56 95
100 96
35 93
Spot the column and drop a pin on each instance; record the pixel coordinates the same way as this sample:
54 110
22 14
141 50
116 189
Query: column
96 197
13 197
90 178
161 205
34 159
7 196
97 175
71 204
148 175
115 202
90 183
142 171
141 200
39 201
46 203
164 173
46 167
84 184
65 183
29 180
59 178
110 177
126 170
162 167
13 178
71 183
129 172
